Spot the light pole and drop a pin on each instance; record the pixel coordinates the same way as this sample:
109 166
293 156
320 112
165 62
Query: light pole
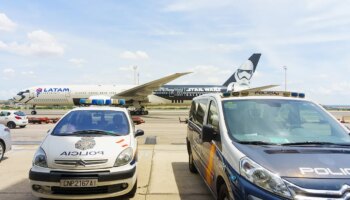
285 78
135 74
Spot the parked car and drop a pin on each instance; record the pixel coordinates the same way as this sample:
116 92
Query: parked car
5 140
255 145
13 118
91 153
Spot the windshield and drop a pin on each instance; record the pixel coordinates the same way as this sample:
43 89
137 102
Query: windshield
93 122
276 121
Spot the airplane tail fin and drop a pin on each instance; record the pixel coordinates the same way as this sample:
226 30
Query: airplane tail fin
245 71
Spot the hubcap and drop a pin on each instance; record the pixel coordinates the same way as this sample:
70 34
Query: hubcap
1 151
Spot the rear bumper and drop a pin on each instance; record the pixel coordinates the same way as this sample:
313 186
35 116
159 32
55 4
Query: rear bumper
21 122
109 184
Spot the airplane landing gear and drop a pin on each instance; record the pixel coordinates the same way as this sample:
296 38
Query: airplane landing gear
33 111
139 111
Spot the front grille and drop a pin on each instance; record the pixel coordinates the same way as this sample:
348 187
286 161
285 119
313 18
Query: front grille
87 190
81 162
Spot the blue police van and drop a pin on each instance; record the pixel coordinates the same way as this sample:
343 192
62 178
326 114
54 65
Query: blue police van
268 145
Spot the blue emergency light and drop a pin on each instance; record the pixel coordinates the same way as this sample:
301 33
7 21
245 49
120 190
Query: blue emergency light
102 101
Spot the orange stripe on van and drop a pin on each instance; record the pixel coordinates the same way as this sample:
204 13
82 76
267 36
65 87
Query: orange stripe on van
210 165
122 140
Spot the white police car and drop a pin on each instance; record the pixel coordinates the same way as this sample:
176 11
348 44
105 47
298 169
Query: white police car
91 153
268 145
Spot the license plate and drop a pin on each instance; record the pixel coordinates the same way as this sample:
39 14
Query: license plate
78 182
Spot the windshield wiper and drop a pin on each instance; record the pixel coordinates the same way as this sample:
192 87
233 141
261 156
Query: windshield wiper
93 131
313 143
256 143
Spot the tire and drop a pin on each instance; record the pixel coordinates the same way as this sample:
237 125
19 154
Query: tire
2 150
146 112
11 125
223 192
191 165
132 193
22 126
33 112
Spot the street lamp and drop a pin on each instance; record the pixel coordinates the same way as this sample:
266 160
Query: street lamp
135 74
285 78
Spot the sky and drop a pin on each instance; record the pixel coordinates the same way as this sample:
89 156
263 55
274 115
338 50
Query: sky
99 42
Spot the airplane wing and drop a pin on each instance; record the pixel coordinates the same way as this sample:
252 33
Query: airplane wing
147 88
260 88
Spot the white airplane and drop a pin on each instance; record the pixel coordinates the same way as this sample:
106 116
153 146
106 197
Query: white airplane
71 94
154 92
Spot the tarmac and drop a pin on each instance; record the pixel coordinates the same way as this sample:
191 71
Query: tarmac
163 161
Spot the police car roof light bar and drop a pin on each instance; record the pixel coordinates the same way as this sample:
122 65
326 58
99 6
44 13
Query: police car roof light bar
263 93
102 102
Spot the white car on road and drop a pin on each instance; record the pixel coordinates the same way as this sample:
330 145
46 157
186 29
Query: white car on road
5 140
91 153
13 118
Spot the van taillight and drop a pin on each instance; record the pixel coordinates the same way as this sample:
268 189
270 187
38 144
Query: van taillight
17 117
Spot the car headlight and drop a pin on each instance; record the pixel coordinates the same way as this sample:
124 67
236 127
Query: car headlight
124 157
40 158
263 178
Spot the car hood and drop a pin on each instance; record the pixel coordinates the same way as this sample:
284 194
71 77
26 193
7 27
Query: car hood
301 162
72 152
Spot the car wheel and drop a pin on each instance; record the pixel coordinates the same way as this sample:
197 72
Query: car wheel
223 193
2 150
191 165
11 125
146 112
33 112
22 126
133 191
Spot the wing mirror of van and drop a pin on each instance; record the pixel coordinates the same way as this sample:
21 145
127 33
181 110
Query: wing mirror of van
139 132
208 133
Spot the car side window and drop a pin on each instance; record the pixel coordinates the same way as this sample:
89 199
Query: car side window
8 113
2 114
213 116
201 109
193 111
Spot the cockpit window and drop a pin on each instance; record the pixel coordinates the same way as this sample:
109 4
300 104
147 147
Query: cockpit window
281 122
93 121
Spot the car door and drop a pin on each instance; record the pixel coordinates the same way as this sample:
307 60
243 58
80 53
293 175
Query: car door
2 117
209 148
197 114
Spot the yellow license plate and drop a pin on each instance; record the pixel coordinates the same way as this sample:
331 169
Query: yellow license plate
78 182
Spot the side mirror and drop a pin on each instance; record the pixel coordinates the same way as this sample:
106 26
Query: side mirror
208 133
139 132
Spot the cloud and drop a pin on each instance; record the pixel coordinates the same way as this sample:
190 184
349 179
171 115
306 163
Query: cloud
207 74
28 73
6 24
77 61
159 32
129 68
8 73
137 55
40 43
